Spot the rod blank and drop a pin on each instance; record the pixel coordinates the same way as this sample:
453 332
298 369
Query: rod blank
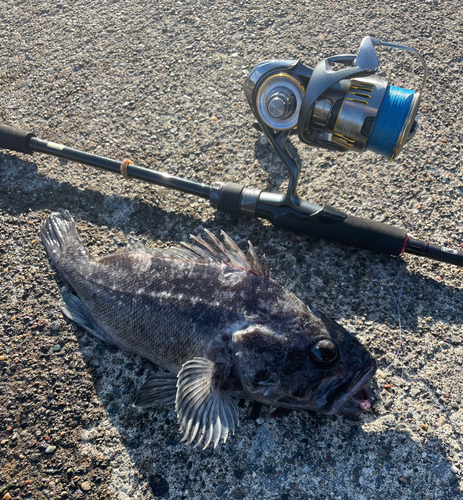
133 171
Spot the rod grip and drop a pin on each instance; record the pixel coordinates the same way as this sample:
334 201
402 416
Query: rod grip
15 139
352 231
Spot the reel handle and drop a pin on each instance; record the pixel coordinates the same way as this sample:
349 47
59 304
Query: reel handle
15 139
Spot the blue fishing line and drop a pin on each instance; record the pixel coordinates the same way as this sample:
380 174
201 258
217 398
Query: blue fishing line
390 120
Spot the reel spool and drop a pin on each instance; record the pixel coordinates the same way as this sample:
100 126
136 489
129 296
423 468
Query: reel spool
349 109
372 116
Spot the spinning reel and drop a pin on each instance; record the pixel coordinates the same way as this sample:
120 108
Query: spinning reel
346 109
349 109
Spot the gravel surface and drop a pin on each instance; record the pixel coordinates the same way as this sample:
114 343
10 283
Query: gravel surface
161 83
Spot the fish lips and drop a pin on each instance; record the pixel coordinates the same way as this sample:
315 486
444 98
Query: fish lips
355 391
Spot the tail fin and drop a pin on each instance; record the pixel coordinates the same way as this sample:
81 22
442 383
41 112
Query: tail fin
59 233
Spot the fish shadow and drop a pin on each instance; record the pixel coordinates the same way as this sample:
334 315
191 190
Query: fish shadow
283 450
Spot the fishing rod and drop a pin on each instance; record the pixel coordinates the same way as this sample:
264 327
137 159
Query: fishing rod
340 105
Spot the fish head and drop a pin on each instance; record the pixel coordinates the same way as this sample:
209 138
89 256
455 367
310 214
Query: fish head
312 363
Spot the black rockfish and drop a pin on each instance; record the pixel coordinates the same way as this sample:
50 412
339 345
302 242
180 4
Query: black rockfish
211 317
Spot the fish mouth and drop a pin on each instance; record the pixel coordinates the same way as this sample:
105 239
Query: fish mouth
358 398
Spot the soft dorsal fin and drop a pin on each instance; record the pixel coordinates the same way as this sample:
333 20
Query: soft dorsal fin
205 413
229 253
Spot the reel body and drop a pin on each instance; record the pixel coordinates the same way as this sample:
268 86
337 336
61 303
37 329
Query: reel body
345 109
349 109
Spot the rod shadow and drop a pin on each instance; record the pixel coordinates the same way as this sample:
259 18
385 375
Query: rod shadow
302 439
24 189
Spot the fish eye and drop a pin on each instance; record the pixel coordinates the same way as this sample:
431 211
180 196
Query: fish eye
324 354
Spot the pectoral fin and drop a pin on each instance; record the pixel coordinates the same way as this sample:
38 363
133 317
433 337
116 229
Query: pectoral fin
205 412
77 311
159 389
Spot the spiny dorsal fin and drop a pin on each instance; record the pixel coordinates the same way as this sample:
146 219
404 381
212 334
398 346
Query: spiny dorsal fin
208 250
159 389
229 253
205 413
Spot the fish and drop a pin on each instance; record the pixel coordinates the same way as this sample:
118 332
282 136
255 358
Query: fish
210 316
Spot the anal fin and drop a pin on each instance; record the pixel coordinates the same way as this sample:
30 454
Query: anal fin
205 413
77 311
159 388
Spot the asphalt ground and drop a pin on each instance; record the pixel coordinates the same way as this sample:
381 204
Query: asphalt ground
160 83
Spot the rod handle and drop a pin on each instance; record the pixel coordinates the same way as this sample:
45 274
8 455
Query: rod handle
15 139
352 231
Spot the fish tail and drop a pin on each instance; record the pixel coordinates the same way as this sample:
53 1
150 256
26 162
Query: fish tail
59 234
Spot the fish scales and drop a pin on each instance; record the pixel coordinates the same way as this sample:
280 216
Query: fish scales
149 306
211 317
